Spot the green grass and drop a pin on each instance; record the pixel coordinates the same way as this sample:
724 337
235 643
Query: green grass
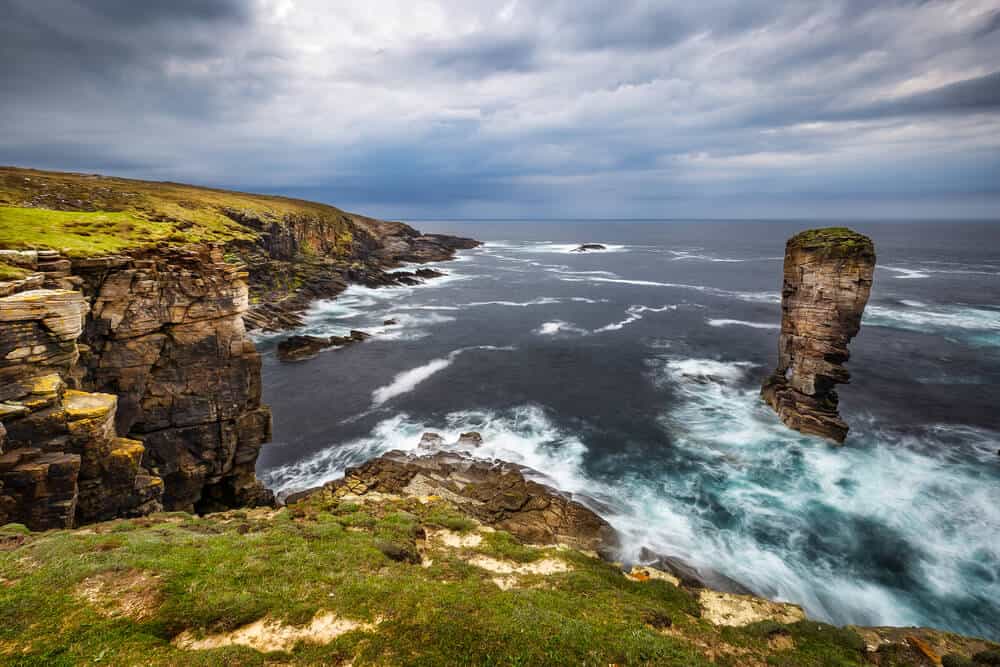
219 573
837 241
87 215
77 233
8 272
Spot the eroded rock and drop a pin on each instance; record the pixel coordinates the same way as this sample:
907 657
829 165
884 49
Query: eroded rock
495 493
827 280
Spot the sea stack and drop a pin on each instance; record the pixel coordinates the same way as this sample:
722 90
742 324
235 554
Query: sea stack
827 279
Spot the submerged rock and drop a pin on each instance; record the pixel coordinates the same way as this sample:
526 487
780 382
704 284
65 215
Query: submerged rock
586 247
827 280
300 348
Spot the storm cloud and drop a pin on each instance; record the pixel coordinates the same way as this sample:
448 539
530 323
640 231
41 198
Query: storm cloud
525 108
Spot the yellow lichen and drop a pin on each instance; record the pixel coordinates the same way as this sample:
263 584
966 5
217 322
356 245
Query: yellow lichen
47 384
84 405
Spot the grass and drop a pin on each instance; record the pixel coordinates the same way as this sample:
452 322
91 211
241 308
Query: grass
834 240
87 215
221 572
8 272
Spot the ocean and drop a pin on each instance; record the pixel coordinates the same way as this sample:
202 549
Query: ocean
630 376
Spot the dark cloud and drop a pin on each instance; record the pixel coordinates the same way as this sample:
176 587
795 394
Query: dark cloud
482 55
978 95
133 12
475 107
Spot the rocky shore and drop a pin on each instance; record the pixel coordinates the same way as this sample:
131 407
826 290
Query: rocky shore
827 280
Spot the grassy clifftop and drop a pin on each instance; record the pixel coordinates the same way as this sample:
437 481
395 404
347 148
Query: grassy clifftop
88 215
374 581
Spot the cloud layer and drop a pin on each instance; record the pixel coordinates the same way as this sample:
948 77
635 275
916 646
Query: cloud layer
531 108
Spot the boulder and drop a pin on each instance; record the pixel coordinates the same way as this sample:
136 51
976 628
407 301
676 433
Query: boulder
299 348
587 247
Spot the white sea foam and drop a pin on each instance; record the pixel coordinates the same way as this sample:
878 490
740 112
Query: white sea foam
522 435
566 271
540 301
752 297
742 323
939 319
743 463
635 314
777 482
926 272
557 327
904 273
695 255
568 248
408 380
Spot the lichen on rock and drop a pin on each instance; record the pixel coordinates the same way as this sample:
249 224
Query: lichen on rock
827 280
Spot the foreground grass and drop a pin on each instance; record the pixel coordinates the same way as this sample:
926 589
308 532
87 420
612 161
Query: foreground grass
216 574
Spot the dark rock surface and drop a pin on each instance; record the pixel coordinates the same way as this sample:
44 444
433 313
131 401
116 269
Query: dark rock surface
586 247
300 348
165 335
494 492
691 576
827 280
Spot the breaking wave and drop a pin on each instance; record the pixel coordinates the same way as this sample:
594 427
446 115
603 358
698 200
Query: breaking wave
733 490
634 315
981 326
742 323
752 297
695 255
558 326
408 380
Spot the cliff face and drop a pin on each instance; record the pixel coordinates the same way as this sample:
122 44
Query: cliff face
165 335
827 280
63 462
170 416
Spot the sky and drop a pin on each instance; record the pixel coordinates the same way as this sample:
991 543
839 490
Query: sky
521 108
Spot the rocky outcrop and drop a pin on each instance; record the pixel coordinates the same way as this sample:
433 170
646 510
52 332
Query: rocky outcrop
827 279
62 461
300 260
300 348
495 493
588 247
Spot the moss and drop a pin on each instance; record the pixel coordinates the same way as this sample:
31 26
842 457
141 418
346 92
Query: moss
500 544
10 272
837 241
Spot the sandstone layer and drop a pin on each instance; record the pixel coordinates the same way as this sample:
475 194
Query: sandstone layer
827 280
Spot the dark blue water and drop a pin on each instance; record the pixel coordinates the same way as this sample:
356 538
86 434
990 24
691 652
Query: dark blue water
632 376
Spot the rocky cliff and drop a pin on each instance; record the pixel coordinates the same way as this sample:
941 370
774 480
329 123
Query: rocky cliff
827 279
127 380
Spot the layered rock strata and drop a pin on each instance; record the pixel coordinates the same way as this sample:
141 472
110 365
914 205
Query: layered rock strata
137 391
495 493
827 280
165 335
61 458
